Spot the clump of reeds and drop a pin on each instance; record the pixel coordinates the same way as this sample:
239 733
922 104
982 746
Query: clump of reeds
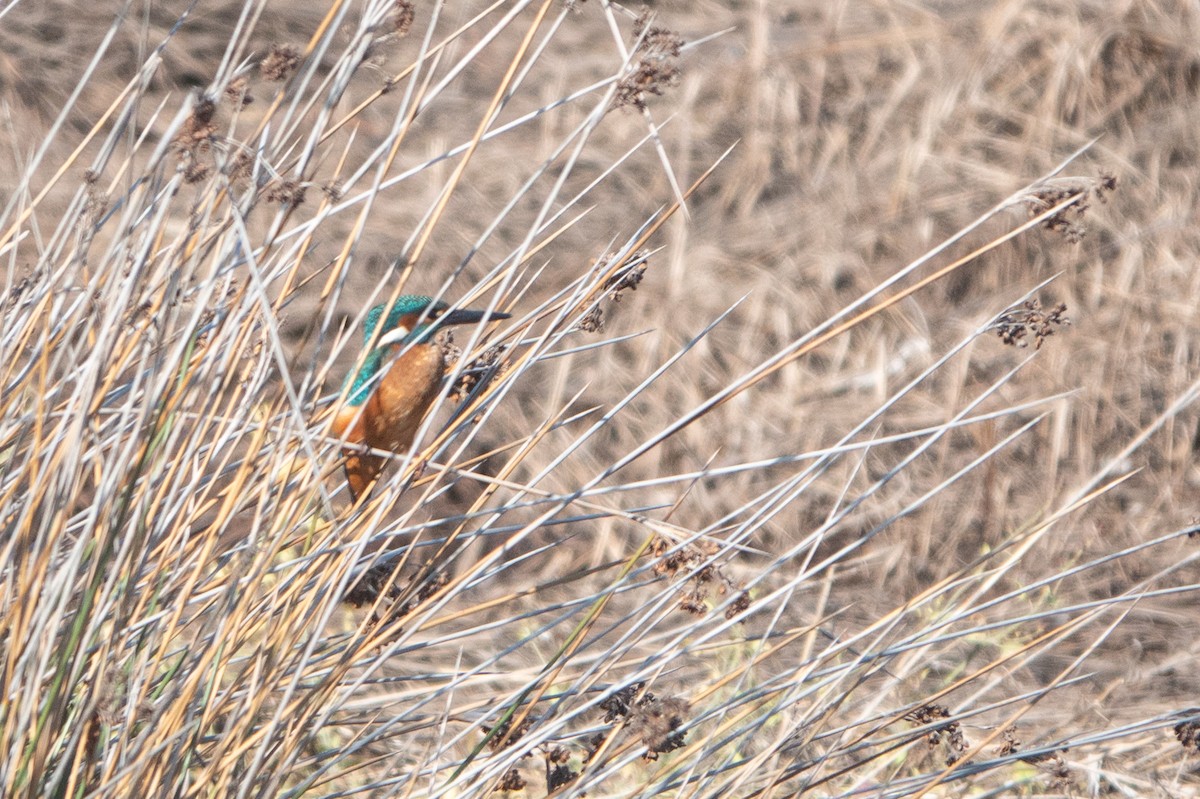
193 606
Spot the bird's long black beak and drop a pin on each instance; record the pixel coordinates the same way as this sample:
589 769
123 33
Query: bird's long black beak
466 316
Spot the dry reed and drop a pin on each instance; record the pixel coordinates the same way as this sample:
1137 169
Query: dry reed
820 530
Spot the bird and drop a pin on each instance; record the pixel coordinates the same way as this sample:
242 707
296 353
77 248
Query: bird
384 413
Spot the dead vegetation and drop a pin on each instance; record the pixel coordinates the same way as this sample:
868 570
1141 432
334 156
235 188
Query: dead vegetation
749 497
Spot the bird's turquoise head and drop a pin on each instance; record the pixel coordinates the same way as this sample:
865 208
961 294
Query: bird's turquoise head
404 324
412 320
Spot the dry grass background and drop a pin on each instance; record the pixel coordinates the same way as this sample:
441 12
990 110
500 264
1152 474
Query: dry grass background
163 638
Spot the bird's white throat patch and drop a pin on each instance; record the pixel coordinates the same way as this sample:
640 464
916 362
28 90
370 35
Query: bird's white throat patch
394 336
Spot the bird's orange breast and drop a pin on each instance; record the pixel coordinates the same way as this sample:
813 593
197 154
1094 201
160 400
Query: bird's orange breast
392 414
396 407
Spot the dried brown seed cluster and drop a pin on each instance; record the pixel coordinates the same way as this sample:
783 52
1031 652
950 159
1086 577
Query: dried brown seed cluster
287 192
655 67
592 321
451 352
627 278
506 735
396 26
558 773
13 298
557 761
194 140
740 604
511 781
238 91
620 704
950 731
280 63
674 560
1061 772
1009 744
197 137
377 581
402 17
1188 733
373 583
951 735
1015 325
483 369
242 166
199 127
195 171
703 578
1054 762
1043 196
655 721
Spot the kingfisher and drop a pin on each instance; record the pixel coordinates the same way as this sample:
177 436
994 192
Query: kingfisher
385 412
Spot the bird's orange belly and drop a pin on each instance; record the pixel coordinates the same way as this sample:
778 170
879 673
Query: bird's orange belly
396 408
391 416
